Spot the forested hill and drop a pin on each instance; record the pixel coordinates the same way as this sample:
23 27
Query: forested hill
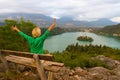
111 30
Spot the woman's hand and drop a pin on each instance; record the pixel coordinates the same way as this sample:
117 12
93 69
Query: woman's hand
52 25
14 28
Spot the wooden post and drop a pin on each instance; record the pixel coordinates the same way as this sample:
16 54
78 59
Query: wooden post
39 67
50 75
4 62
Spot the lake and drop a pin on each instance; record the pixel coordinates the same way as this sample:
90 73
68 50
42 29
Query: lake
61 41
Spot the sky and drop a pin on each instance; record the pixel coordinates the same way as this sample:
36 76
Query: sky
88 10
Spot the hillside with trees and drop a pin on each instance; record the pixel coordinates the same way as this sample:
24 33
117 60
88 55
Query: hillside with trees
10 39
113 30
78 55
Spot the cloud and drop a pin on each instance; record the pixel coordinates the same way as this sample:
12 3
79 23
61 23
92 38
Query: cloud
77 9
116 19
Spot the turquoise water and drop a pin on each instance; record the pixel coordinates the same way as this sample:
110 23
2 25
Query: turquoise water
60 42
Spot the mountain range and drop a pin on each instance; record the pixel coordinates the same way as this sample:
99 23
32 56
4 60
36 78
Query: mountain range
43 20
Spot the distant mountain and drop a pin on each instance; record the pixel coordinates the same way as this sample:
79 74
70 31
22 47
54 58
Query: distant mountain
1 23
42 20
102 22
38 19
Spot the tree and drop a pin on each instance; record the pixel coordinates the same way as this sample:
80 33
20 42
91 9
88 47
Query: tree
12 40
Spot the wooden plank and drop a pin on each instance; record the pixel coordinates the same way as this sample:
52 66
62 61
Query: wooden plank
52 68
21 60
39 67
53 63
48 65
27 54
